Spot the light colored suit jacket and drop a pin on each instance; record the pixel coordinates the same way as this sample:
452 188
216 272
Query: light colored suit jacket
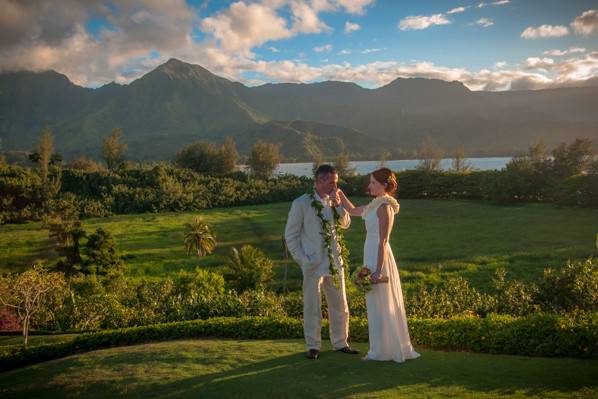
303 233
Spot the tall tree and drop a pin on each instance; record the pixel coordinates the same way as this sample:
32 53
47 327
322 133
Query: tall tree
66 232
384 157
102 256
430 155
199 238
460 165
343 168
228 155
573 159
201 157
264 159
310 143
2 158
29 293
45 149
113 149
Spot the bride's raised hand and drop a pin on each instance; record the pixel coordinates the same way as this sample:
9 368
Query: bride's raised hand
342 196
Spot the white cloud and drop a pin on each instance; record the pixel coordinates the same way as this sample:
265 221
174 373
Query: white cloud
39 35
306 19
286 71
355 6
243 26
351 27
485 22
42 34
274 49
536 62
560 53
586 24
562 74
577 50
371 50
419 22
494 3
323 49
456 10
544 31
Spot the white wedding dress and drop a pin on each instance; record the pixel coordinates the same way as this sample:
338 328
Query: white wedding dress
387 320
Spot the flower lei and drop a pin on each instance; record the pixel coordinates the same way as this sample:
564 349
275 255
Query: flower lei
327 235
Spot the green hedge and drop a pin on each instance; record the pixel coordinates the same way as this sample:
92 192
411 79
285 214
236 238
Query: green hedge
574 335
550 335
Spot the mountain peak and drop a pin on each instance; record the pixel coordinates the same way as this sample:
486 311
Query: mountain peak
426 84
175 66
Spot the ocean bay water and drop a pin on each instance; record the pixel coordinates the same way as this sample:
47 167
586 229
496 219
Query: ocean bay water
364 167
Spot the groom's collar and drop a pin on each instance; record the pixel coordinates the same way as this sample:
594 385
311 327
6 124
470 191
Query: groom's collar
324 201
321 199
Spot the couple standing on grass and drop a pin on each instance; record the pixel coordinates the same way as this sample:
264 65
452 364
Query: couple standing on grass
314 238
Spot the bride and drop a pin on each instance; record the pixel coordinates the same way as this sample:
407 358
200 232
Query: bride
387 320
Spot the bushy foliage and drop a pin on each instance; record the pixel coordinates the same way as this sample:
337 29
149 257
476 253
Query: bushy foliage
157 188
102 256
263 159
249 268
203 157
92 192
113 150
573 335
453 297
573 286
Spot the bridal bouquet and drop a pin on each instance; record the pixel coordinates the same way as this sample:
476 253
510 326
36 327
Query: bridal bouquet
361 279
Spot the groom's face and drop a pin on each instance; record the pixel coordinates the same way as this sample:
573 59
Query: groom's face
327 183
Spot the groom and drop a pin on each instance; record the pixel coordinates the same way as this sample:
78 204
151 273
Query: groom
305 238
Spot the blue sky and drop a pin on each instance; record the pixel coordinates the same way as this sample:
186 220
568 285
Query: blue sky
481 44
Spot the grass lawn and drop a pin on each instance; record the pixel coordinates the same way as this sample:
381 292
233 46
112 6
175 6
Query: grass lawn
35 339
278 369
432 239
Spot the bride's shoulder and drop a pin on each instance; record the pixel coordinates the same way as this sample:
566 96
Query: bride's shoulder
375 204
392 202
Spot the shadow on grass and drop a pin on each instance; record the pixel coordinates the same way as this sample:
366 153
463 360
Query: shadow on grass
246 369
337 376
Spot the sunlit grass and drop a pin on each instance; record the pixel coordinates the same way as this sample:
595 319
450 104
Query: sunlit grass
431 240
279 369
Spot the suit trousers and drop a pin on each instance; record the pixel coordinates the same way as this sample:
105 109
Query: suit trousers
338 311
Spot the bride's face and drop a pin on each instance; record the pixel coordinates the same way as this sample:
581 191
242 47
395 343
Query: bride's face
375 187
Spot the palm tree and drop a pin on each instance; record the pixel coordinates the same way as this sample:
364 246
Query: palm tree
249 268
200 238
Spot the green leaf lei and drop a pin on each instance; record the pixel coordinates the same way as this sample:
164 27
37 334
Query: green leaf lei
327 235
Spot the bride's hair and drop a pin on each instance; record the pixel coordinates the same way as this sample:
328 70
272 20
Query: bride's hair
386 177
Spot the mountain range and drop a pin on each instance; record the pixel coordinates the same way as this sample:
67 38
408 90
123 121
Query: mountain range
178 103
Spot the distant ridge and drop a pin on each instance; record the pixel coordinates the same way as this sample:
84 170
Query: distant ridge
178 103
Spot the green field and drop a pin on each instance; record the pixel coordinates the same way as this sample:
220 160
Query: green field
278 369
431 240
35 340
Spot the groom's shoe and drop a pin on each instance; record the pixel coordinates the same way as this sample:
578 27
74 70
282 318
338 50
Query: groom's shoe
313 354
348 350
